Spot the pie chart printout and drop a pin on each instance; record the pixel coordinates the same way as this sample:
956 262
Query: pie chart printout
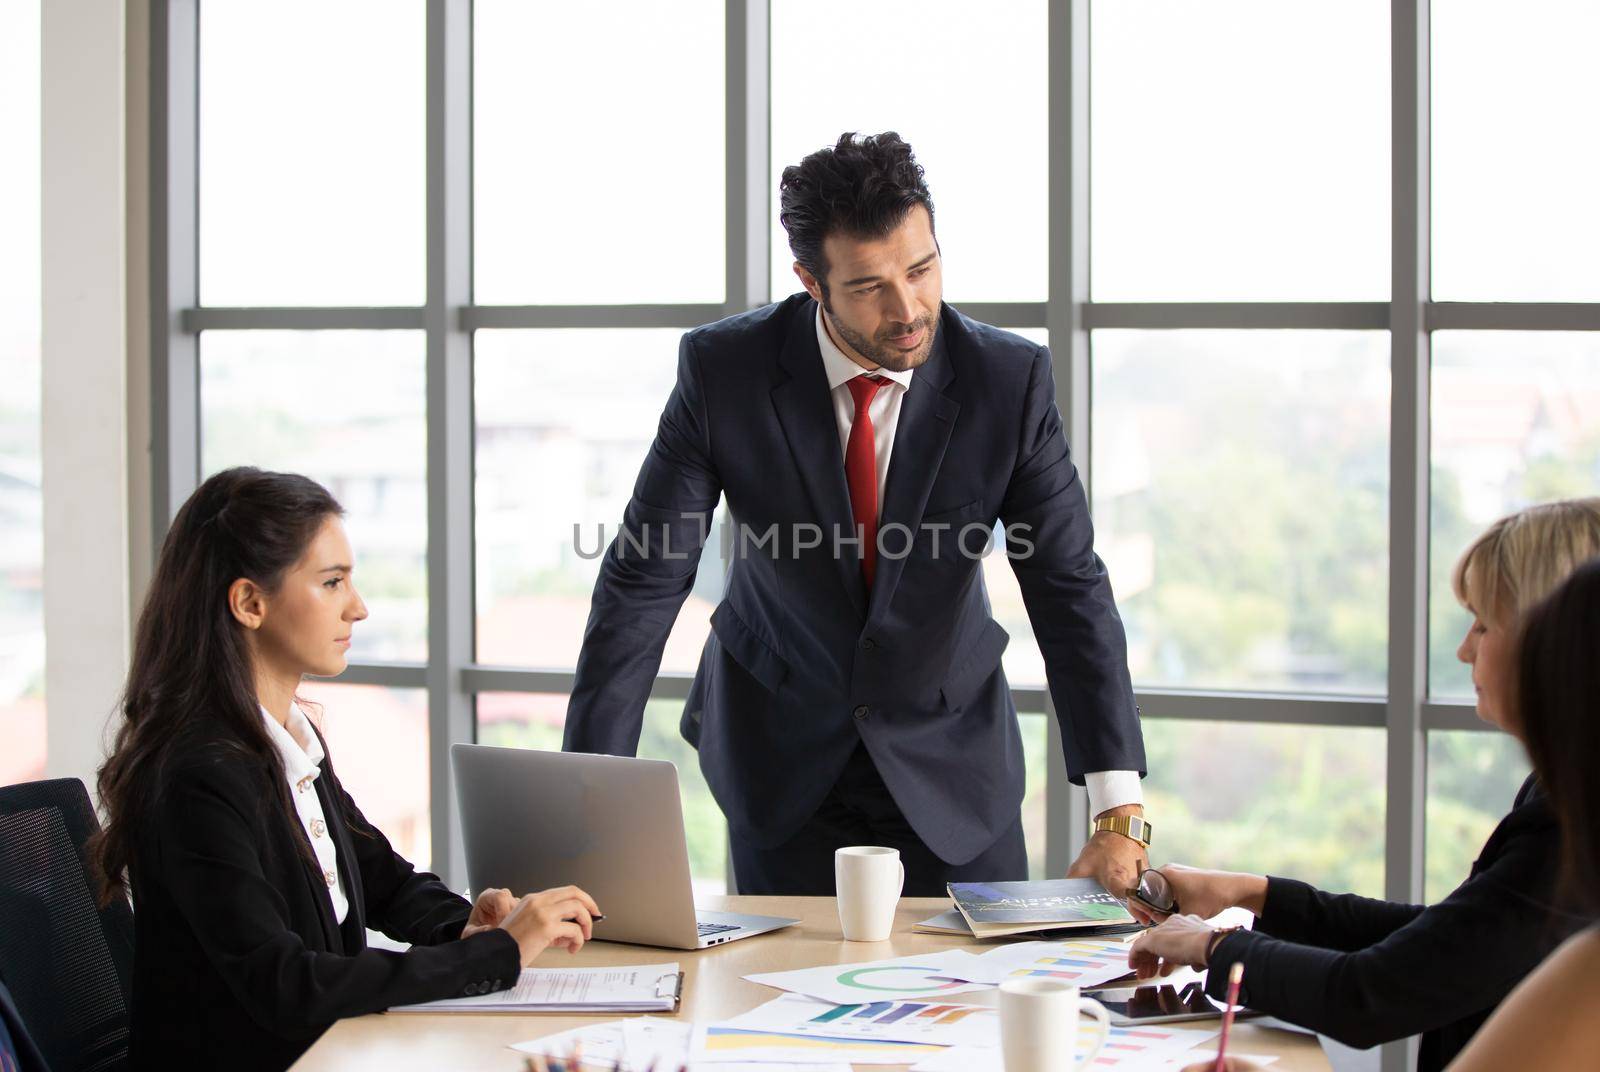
899 979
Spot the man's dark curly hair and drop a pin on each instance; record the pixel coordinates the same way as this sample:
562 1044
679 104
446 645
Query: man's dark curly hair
862 186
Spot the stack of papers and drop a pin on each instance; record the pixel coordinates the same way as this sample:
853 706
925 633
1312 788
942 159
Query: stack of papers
651 988
995 909
644 1043
937 1037
954 923
918 1011
915 1011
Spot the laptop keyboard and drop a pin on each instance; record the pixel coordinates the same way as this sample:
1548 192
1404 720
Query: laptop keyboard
715 928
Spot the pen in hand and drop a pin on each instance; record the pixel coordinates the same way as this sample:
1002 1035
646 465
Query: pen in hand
1235 977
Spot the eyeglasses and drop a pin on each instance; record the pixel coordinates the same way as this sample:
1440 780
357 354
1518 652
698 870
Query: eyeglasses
1155 892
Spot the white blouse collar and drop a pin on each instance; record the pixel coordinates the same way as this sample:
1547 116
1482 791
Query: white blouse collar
297 743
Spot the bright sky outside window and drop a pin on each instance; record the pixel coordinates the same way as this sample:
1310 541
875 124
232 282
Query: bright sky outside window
967 93
1515 161
311 153
22 725
1239 150
598 152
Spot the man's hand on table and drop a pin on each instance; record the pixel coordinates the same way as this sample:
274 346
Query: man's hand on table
1113 859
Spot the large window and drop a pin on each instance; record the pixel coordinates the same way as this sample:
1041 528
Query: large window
1220 183
22 727
564 419
1516 411
1241 485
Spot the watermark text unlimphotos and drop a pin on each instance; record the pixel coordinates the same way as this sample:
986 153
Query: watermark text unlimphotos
736 540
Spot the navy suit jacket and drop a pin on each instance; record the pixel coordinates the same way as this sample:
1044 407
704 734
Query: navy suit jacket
803 662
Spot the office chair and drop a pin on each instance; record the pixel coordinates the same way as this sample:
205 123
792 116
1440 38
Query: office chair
16 1045
67 962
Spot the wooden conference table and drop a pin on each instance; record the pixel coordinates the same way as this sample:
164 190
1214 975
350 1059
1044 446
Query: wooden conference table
714 989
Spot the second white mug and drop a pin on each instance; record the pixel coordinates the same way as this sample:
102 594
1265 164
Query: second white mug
867 881
1039 1025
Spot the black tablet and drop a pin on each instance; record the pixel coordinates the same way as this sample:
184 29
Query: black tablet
1160 1004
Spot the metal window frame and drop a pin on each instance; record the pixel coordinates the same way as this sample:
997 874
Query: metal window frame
451 675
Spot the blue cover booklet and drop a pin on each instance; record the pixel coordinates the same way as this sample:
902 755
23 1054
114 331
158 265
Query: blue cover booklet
995 908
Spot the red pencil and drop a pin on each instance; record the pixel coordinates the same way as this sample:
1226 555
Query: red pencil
1235 977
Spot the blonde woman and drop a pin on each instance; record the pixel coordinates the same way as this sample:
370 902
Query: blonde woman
1365 971
1552 1020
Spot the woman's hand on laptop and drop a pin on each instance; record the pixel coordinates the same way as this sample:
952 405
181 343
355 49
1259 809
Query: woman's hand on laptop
488 910
562 917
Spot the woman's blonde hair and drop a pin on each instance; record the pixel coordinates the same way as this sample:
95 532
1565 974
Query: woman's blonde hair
1524 556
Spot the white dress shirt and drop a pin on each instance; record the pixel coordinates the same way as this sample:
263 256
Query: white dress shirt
302 755
1107 789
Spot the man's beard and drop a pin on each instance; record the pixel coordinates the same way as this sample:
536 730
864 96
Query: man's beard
879 352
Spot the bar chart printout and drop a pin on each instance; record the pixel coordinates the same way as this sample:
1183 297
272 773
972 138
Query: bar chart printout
722 1043
1083 962
938 1023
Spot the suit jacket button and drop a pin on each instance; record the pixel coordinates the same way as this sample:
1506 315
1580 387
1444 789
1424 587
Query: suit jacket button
869 645
860 713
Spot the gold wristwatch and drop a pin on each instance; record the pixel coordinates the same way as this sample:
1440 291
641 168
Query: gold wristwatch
1129 826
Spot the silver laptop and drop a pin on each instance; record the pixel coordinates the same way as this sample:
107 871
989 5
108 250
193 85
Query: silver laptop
610 825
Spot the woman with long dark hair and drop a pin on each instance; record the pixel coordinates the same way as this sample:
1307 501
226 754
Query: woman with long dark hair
254 876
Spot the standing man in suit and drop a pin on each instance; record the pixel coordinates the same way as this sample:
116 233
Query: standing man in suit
867 438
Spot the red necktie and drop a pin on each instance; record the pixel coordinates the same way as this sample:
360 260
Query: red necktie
861 472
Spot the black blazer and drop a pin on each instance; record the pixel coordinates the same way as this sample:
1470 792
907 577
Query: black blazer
238 960
803 664
1365 971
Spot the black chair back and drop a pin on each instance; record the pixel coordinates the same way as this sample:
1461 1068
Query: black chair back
67 962
16 1045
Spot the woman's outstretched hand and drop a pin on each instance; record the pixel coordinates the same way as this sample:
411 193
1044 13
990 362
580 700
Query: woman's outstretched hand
1182 941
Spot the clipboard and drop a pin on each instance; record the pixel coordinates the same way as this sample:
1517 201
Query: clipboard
670 988
560 991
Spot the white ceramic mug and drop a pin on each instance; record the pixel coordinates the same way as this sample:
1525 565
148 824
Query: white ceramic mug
867 880
1039 1025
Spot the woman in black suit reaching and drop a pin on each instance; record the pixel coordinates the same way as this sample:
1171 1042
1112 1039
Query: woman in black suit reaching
254 875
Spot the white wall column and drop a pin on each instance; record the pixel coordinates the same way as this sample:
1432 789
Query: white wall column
84 421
